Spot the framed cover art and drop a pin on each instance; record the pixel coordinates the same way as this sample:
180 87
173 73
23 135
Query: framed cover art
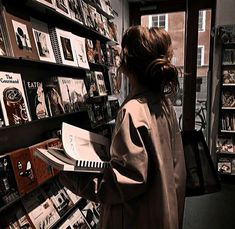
13 100
20 34
42 40
100 83
67 51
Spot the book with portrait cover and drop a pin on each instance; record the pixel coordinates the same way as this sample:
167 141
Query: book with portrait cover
66 86
80 51
24 172
15 217
53 96
83 151
13 100
62 44
20 34
90 50
75 9
42 40
80 93
36 99
40 209
8 187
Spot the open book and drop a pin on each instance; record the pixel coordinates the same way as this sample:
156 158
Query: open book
83 151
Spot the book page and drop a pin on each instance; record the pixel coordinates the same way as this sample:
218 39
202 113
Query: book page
84 145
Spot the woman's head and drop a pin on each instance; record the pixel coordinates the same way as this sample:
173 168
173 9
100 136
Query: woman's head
146 56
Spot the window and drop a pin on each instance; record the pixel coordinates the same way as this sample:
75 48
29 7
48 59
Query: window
159 20
201 20
200 55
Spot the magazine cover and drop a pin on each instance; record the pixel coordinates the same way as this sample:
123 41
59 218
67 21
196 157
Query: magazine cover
228 76
90 50
105 26
53 97
224 166
8 187
42 40
80 51
66 86
228 98
40 209
62 7
22 165
13 100
93 14
100 83
75 10
114 80
20 34
36 99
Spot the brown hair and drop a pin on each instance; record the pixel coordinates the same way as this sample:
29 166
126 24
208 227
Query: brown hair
146 53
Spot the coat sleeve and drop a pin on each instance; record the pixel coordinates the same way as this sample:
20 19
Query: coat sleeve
127 176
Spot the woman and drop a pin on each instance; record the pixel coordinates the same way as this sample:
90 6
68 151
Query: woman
144 187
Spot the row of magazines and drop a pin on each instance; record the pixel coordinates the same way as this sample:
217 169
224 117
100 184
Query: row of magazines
30 38
25 100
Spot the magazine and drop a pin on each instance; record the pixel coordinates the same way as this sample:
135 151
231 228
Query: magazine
83 151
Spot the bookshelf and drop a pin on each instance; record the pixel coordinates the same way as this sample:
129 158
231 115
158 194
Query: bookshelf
226 137
13 137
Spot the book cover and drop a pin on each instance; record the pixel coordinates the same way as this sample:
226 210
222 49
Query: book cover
80 51
40 209
112 107
90 50
228 122
80 94
47 3
100 24
100 83
86 15
224 145
13 100
22 165
93 14
228 76
84 151
53 97
228 56
20 33
66 86
105 26
8 187
114 80
15 218
224 166
58 196
228 98
62 7
91 84
75 10
36 99
73 197
66 47
3 48
228 33
42 40
97 113
42 170
90 214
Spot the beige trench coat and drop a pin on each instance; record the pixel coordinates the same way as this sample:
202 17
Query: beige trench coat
145 186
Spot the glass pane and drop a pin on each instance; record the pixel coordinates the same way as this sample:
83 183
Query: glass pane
202 69
175 25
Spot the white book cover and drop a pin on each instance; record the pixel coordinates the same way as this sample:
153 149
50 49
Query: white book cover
100 83
84 151
66 85
73 197
80 50
62 6
40 209
13 100
42 40
66 47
